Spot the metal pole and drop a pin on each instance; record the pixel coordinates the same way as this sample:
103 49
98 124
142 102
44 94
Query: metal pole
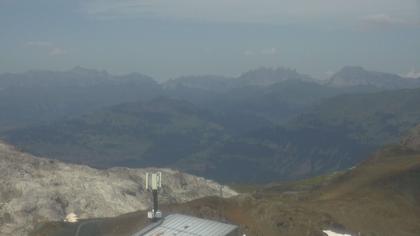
155 201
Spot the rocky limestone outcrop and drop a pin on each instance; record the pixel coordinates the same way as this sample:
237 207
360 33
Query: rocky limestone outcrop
34 190
412 140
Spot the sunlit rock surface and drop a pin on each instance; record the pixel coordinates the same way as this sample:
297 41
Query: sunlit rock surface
36 189
332 233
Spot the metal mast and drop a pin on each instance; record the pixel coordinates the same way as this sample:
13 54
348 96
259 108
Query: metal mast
154 184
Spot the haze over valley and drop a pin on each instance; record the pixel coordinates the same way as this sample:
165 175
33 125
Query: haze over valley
266 126
176 117
269 124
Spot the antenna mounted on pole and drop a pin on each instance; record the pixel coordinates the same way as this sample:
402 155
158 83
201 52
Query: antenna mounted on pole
154 184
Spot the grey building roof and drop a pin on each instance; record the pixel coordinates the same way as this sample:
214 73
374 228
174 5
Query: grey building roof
182 225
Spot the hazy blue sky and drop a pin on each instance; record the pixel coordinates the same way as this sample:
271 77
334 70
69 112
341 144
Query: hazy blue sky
168 38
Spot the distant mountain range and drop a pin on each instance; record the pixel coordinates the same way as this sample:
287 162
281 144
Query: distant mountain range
43 96
349 76
260 77
34 97
358 76
267 124
336 134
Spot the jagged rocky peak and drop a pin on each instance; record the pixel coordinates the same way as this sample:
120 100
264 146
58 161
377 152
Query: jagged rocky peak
82 71
358 76
412 140
34 190
351 76
205 82
267 76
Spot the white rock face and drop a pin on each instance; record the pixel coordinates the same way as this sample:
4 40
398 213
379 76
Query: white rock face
35 189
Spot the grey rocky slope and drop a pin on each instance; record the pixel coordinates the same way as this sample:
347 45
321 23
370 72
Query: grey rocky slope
34 190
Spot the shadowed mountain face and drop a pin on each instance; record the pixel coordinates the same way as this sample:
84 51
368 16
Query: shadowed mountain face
267 76
376 118
246 105
261 77
381 196
254 99
207 83
44 96
166 132
286 127
338 133
158 133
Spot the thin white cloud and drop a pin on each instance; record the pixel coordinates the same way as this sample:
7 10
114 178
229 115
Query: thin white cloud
329 73
418 6
48 47
413 73
248 53
383 20
39 43
263 52
57 51
268 11
269 51
119 8
418 11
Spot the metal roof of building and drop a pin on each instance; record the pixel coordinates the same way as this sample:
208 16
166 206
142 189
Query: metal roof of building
182 225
